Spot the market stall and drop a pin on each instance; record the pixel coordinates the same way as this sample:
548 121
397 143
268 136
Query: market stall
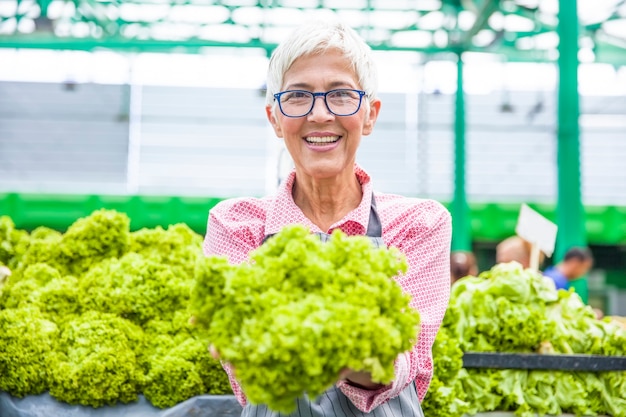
510 342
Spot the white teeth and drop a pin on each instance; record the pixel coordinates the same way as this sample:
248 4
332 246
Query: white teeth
322 139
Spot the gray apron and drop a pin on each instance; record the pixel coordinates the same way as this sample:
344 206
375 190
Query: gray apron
333 402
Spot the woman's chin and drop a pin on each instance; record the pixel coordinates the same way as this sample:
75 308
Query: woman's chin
324 170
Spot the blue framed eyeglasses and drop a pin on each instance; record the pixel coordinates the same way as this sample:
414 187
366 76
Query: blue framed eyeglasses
299 103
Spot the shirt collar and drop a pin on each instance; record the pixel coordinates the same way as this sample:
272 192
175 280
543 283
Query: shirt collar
284 211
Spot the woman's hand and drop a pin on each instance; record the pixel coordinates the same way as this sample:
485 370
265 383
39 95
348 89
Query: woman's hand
216 355
359 379
213 351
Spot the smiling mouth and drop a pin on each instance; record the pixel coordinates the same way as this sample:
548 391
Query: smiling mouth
322 140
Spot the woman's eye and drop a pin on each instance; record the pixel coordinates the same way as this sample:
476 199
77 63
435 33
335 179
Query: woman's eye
296 95
344 95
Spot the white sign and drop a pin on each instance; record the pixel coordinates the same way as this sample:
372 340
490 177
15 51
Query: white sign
536 229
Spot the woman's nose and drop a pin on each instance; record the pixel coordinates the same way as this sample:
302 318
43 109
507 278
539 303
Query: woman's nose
320 110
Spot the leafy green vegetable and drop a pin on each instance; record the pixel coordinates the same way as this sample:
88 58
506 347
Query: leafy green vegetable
26 352
509 309
172 380
480 387
445 396
302 311
571 393
135 287
60 297
447 356
503 310
614 395
13 242
182 369
178 246
98 315
43 248
98 364
104 234
576 329
445 399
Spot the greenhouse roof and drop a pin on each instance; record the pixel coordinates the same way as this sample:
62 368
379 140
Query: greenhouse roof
524 30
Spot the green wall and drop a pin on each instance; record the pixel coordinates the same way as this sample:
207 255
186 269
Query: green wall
59 211
605 225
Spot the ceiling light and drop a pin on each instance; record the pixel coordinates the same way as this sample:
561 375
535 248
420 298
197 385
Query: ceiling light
466 20
496 21
615 28
515 23
8 8
484 38
431 21
412 39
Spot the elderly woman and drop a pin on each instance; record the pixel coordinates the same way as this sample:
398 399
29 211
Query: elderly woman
321 100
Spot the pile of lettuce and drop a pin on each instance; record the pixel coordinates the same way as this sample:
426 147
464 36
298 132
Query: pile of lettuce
291 320
99 315
511 309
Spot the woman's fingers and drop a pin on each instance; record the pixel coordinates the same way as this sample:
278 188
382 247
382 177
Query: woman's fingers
344 373
213 351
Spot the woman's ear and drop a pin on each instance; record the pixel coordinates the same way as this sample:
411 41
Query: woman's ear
273 121
372 115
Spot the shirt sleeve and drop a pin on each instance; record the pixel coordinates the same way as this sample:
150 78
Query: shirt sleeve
235 227
423 233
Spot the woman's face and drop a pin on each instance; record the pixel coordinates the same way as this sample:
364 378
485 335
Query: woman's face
321 144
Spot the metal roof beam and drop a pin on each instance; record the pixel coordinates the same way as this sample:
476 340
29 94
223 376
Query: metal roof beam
483 13
122 44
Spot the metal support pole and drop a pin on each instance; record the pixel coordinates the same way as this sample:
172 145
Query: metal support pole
461 231
570 211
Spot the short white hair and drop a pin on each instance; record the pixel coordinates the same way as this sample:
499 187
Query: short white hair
315 38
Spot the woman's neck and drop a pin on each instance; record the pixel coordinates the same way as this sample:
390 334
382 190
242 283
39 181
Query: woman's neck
327 201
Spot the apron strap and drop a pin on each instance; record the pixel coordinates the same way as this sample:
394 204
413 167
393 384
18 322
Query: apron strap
374 227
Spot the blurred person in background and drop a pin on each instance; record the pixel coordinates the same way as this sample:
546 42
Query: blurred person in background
513 248
575 264
321 100
462 264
